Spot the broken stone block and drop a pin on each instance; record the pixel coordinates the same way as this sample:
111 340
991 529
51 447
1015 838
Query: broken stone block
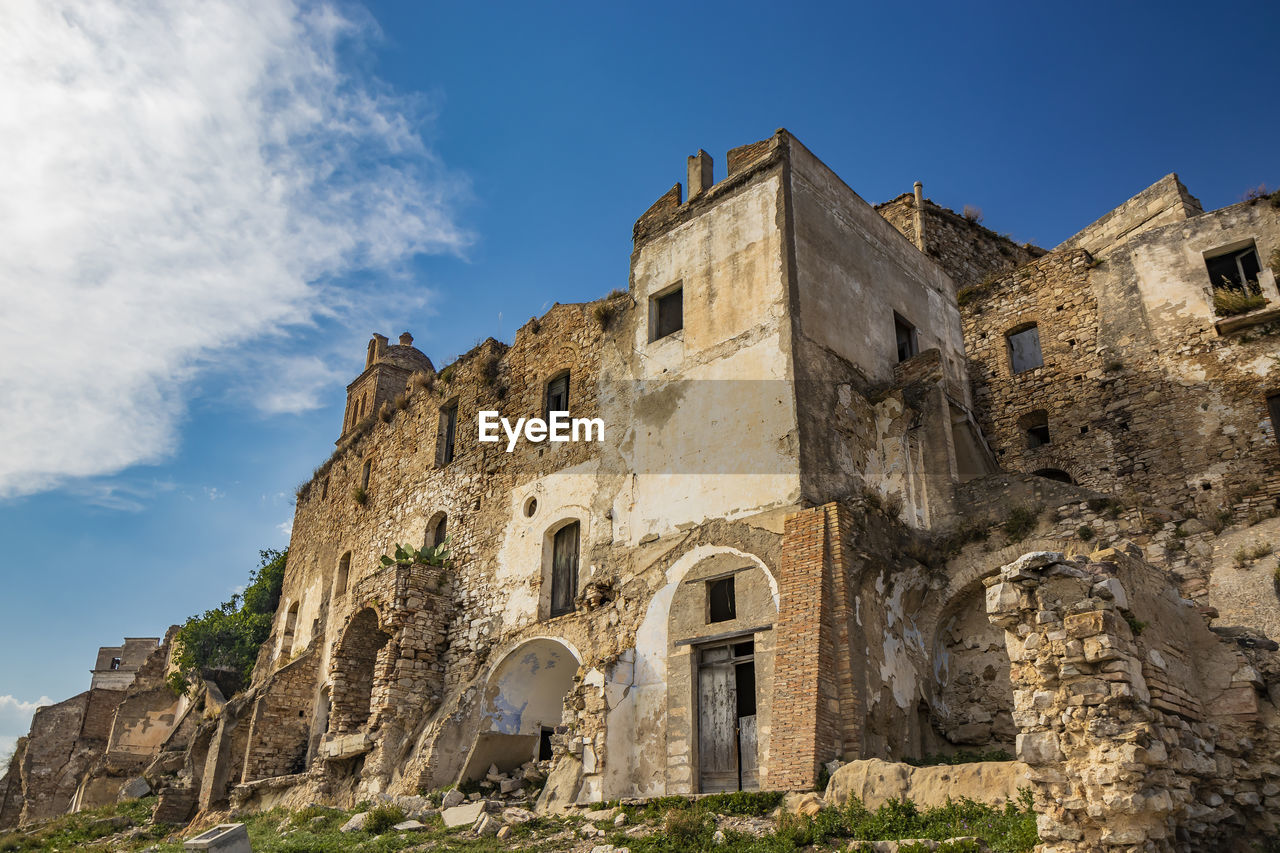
224 838
506 786
517 815
462 815
134 789
451 798
486 825
410 826
1038 747
356 823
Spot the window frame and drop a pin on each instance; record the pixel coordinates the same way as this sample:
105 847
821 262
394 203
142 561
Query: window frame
656 304
563 376
732 600
902 324
1236 251
447 437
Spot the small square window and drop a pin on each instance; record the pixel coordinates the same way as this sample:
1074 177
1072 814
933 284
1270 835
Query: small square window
721 603
668 313
1235 270
905 333
1024 349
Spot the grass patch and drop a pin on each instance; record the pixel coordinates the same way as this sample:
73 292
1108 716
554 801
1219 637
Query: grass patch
1085 533
1011 829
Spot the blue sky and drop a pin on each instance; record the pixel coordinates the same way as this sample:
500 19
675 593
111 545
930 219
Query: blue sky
205 217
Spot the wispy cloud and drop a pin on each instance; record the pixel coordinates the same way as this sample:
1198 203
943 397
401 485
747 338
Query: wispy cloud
15 721
179 180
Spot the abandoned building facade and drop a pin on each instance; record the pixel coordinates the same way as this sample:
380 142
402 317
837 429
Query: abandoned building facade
794 545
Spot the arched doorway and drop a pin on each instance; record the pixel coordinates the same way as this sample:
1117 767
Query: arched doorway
355 667
972 697
523 704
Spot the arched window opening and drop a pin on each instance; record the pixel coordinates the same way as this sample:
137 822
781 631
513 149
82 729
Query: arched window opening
290 627
437 530
1024 348
1054 474
344 572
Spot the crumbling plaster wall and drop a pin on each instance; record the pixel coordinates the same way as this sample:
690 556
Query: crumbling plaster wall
1144 392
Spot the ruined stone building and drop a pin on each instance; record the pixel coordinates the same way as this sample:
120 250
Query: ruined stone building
831 431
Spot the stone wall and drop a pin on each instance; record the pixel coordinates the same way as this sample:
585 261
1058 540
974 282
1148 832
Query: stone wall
967 251
1143 730
1144 391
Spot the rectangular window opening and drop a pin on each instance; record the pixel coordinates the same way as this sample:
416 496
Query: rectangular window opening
1236 270
905 334
544 743
1024 350
448 429
721 601
668 313
557 395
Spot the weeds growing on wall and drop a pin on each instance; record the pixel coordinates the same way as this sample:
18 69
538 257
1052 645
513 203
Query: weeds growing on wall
1021 521
1228 302
230 635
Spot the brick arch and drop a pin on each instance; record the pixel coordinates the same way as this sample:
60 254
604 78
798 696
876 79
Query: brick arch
359 671
1059 459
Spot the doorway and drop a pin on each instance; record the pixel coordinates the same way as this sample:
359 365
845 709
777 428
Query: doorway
727 717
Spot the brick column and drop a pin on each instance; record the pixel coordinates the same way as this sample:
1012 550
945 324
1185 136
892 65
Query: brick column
805 727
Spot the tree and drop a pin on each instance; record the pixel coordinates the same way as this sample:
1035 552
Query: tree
230 635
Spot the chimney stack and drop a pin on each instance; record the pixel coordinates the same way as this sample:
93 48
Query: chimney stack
700 179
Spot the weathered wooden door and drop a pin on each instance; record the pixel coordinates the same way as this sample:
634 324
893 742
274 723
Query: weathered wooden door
726 718
564 569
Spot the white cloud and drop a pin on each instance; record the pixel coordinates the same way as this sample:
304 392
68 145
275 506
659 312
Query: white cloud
181 179
15 722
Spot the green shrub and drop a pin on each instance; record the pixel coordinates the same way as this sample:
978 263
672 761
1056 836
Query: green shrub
963 756
382 818
1020 522
1085 532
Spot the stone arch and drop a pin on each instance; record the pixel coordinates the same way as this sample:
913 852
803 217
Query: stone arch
649 695
523 704
359 668
437 529
971 699
290 630
1056 474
